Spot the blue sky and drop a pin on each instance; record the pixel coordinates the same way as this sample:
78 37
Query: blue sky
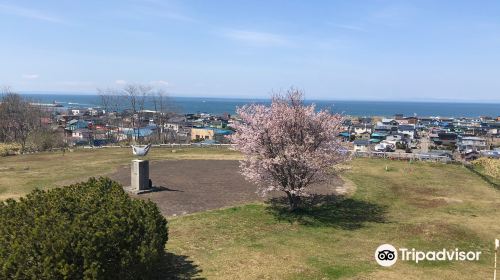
358 50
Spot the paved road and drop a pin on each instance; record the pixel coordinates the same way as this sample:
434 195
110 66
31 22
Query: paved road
424 144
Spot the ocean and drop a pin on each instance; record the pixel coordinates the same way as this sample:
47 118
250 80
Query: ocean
355 108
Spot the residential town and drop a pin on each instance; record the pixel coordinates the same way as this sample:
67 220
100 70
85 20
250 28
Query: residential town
96 127
429 137
423 137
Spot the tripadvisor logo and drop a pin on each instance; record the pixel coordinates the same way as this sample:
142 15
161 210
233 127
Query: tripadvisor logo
387 255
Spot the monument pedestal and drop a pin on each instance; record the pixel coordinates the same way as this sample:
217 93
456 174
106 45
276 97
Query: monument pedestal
139 176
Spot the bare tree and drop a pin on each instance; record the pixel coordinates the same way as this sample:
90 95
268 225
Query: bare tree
18 118
161 108
131 92
106 99
136 98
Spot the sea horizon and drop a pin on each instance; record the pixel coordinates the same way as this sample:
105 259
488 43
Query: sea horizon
221 105
423 100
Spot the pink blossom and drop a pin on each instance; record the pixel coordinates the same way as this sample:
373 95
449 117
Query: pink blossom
288 146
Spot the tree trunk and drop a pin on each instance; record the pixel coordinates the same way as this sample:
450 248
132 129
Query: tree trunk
293 201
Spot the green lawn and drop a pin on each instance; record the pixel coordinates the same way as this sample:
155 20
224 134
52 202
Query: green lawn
422 205
426 206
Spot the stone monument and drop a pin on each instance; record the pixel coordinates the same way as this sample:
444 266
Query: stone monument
139 171
139 175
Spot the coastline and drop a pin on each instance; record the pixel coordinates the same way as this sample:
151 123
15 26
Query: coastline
217 106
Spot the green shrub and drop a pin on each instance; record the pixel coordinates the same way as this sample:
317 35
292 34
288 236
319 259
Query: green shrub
91 230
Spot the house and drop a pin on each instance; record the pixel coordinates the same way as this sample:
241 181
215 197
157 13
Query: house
91 112
365 120
360 128
494 129
209 133
77 124
346 125
467 144
425 121
444 138
408 120
380 136
173 126
386 129
390 122
218 124
364 135
394 138
407 130
361 145
444 119
135 134
81 135
385 147
346 136
183 136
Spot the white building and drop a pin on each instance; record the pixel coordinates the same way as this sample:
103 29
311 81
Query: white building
361 128
408 130
467 144
361 145
81 135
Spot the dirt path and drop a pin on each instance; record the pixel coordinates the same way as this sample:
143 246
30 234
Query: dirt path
197 185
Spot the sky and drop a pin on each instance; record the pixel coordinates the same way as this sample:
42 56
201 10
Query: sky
336 50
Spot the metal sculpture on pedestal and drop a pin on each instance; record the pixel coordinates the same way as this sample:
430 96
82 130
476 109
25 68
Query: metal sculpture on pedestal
139 171
141 150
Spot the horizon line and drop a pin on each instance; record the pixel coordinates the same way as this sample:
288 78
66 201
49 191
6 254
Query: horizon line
426 100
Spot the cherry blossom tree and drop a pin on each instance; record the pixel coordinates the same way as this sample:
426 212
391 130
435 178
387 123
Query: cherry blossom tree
288 146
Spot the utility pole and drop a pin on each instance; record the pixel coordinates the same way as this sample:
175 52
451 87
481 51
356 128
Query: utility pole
497 244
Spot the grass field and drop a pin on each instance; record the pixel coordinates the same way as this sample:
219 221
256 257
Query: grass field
21 174
426 206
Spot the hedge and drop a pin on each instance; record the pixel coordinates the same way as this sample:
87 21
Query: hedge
9 149
90 230
491 166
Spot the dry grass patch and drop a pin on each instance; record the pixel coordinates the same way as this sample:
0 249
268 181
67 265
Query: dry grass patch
21 174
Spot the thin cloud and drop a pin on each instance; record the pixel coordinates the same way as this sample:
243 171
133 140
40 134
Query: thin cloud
258 38
28 13
30 76
176 16
160 83
350 27
120 82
